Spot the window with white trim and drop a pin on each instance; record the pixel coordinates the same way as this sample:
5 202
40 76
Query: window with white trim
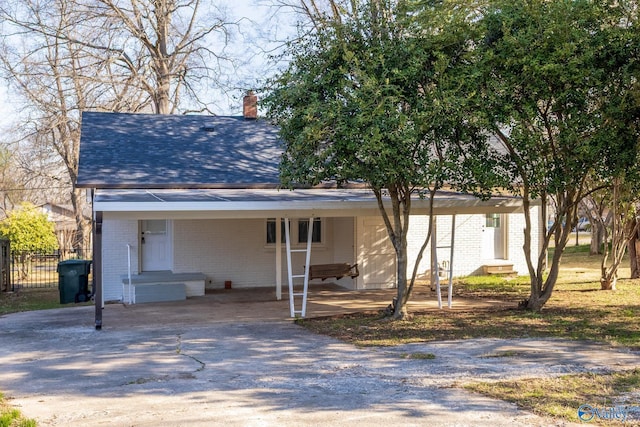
492 220
298 229
303 229
271 231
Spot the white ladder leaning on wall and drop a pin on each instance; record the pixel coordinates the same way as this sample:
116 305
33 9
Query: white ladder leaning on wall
447 265
305 276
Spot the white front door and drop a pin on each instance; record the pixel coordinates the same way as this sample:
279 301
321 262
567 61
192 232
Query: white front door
155 241
376 256
493 237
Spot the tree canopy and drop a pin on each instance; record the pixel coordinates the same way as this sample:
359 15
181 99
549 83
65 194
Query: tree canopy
554 81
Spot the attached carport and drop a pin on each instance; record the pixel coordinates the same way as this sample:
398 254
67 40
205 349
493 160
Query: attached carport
229 203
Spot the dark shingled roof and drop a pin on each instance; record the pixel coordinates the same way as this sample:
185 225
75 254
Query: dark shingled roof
170 151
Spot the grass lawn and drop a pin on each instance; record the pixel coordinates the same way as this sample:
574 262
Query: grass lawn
577 310
11 417
28 299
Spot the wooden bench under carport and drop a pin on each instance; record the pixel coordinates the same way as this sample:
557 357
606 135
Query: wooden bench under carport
337 271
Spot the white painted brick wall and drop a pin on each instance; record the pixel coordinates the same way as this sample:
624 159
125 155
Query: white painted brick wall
115 236
236 249
342 231
418 229
468 257
467 244
516 240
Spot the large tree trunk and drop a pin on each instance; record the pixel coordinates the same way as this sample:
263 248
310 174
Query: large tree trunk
634 257
163 12
401 311
397 228
541 286
594 206
597 236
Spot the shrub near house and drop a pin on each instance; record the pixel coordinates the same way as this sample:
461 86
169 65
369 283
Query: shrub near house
29 231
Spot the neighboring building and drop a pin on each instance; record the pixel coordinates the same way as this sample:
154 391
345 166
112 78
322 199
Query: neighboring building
64 220
196 199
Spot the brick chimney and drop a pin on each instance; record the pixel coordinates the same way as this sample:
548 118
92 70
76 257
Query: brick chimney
250 105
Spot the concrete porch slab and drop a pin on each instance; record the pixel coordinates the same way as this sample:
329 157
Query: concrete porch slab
260 305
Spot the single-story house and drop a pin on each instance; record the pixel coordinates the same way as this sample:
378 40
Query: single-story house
195 201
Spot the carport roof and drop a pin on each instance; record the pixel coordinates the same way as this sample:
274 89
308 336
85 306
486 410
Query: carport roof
261 203
171 166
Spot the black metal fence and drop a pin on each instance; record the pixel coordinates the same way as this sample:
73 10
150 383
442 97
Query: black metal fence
40 270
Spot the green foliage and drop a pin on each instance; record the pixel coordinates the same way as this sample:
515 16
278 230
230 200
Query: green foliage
373 100
11 417
554 82
551 73
29 299
29 230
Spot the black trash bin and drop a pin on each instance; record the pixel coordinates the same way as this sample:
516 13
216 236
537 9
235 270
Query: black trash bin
73 280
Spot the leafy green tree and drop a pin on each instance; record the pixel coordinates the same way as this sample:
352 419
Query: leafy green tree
371 100
553 82
29 231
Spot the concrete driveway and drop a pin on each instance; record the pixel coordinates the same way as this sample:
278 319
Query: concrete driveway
202 363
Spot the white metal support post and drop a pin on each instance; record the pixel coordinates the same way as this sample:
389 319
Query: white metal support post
305 276
278 259
130 300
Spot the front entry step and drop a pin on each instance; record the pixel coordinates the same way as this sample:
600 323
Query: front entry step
193 283
158 292
498 269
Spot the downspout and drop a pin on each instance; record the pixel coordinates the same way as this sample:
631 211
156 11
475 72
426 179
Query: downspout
97 267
